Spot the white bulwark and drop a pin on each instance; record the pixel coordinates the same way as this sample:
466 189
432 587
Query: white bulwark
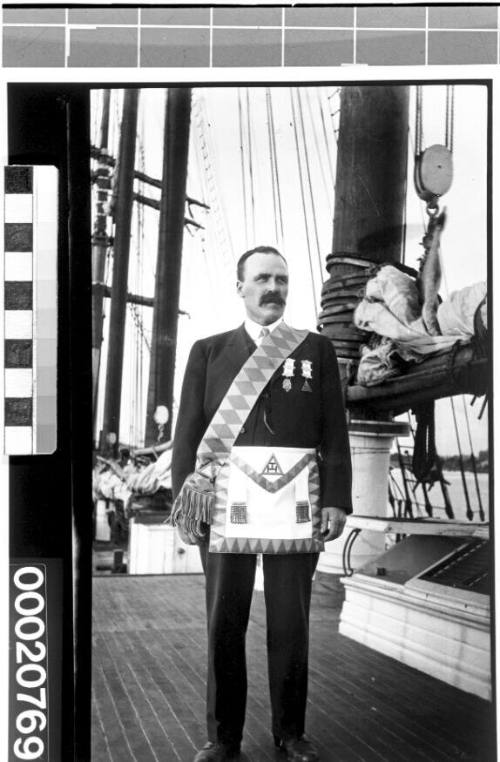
394 605
157 549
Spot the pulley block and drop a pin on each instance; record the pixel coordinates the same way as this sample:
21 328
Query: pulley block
433 172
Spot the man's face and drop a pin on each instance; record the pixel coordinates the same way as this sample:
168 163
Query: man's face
264 288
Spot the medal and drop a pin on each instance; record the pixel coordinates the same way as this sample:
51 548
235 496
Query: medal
306 369
288 372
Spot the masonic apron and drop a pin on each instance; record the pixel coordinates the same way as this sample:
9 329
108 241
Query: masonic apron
267 499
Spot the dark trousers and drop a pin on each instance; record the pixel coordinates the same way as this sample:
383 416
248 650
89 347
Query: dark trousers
287 591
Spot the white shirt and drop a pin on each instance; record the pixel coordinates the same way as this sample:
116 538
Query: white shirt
253 329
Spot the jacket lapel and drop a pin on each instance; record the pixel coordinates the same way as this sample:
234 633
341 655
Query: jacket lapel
239 348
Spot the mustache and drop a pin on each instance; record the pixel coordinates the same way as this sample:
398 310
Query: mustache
272 298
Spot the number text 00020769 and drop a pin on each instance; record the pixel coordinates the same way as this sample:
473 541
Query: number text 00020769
28 687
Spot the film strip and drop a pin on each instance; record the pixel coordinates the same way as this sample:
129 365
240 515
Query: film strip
153 37
30 310
279 36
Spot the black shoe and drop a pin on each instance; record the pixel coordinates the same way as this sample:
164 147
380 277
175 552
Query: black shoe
217 752
297 749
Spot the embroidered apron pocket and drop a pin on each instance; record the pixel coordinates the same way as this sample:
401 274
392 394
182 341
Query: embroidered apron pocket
267 501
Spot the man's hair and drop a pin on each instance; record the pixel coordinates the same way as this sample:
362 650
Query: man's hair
240 267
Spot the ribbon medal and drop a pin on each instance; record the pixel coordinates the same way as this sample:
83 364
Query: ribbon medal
288 373
306 367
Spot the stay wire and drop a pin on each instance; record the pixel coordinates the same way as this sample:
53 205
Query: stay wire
275 152
328 190
306 225
473 462
469 512
418 121
450 116
309 181
242 159
325 135
272 162
250 164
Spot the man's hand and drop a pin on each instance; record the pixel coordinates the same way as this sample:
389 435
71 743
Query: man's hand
332 522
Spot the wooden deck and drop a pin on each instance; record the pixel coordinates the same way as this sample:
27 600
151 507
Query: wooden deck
149 685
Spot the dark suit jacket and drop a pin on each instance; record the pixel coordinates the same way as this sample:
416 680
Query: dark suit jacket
314 419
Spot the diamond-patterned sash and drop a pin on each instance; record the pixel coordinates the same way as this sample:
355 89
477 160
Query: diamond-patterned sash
246 389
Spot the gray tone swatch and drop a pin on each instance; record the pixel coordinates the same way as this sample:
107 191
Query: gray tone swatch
382 48
242 47
108 46
33 46
309 47
175 47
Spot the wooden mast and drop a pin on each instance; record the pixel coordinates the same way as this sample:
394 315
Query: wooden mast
123 220
368 225
100 244
371 173
168 268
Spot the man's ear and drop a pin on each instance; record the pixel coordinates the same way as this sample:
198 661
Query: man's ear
239 286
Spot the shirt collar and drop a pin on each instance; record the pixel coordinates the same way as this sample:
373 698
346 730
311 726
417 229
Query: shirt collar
253 329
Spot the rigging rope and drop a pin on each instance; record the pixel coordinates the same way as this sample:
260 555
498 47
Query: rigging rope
309 181
408 511
395 485
306 225
449 119
272 162
325 135
418 121
328 188
423 219
217 235
222 233
242 158
336 94
278 187
250 165
473 463
419 481
469 512
450 116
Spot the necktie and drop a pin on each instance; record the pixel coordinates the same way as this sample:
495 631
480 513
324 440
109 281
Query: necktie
267 411
263 333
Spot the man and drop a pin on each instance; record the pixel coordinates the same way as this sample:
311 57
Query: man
261 502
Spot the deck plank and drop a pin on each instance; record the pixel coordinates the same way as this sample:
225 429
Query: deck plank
149 684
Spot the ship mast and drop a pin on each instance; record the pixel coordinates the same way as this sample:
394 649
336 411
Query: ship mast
371 172
100 244
168 268
370 183
123 220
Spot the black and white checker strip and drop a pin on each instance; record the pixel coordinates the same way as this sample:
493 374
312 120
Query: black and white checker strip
30 310
18 310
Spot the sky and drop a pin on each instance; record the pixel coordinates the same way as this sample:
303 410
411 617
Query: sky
237 183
